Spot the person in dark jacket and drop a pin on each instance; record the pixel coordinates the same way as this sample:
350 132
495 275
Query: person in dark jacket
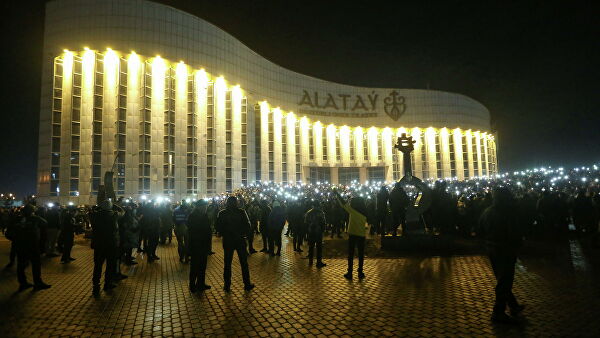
180 217
399 201
105 242
265 211
315 223
151 224
67 234
499 224
382 210
199 236
233 225
54 222
295 220
130 233
277 221
25 234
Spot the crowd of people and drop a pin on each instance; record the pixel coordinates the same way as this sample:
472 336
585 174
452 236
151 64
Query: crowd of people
535 204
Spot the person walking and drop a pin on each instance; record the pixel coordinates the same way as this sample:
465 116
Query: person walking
315 223
356 231
25 233
105 238
499 225
200 236
233 225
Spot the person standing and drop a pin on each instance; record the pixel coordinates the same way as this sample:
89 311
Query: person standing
26 240
253 211
315 223
105 238
295 220
180 218
382 210
200 236
67 234
233 225
152 226
265 211
499 225
276 223
399 201
52 229
356 231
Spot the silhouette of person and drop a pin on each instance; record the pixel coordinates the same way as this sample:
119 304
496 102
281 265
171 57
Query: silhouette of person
200 236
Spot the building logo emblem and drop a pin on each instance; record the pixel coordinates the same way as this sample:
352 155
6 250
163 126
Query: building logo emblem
394 105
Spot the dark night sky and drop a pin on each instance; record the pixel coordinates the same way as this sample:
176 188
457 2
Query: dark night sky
533 64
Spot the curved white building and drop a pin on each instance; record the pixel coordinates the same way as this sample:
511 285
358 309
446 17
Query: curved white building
183 109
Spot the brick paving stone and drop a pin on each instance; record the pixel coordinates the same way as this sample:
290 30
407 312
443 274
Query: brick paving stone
407 296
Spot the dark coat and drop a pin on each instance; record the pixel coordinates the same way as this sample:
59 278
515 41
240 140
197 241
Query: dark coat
233 224
200 233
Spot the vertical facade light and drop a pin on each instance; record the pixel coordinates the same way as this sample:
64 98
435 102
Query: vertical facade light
417 153
87 110
478 150
431 152
470 163
290 125
359 146
458 154
386 140
304 145
445 153
264 141
181 125
201 84
373 147
111 72
345 146
159 68
65 121
236 136
318 142
277 146
331 144
220 130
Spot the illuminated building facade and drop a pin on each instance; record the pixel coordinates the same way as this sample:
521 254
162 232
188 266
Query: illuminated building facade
180 108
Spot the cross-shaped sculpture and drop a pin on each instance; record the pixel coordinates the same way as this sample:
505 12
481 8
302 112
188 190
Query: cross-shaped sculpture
406 146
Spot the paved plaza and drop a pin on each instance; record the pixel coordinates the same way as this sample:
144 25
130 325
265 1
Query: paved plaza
406 296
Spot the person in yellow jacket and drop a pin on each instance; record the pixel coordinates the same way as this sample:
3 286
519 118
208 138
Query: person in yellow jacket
357 229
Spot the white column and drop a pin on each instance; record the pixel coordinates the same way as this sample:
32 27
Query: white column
430 136
484 140
418 162
264 141
201 82
236 137
304 146
331 145
373 146
345 146
445 153
359 152
399 132
157 132
133 128
478 148
318 143
181 102
220 141
65 124
458 154
109 118
469 139
277 146
290 125
86 118
386 146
